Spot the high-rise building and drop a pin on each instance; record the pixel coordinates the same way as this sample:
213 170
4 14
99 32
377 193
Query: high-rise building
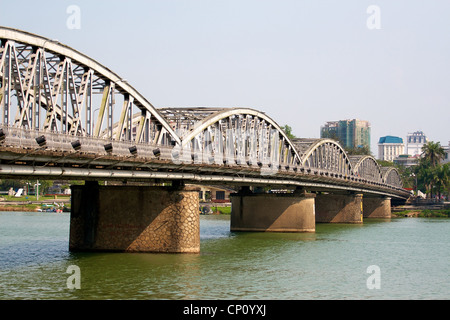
350 133
414 143
390 147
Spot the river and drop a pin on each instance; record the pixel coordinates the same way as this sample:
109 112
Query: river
401 258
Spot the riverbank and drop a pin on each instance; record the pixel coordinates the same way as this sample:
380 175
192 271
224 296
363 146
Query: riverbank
435 210
33 208
208 208
423 213
31 204
48 204
52 205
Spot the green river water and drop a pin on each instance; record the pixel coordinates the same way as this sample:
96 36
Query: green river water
410 255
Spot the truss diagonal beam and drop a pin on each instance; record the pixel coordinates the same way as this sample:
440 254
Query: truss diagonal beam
45 74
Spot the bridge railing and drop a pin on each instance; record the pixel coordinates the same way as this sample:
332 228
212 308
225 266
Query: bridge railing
51 141
34 140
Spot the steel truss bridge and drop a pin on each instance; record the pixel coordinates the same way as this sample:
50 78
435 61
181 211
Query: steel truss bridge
65 116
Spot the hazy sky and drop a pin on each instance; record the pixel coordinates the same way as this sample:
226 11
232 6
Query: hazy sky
302 62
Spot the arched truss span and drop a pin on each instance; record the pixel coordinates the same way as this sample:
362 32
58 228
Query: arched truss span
324 154
233 135
391 176
367 167
48 86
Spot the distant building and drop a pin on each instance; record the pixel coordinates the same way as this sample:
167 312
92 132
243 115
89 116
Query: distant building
414 143
447 154
330 130
390 147
406 160
350 133
214 193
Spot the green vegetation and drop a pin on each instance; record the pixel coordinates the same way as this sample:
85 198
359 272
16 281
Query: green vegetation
33 198
19 207
211 209
433 153
435 213
288 130
45 186
405 172
360 150
432 176
222 210
24 203
444 213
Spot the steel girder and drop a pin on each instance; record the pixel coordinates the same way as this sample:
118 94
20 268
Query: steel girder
367 167
48 86
391 176
324 154
232 136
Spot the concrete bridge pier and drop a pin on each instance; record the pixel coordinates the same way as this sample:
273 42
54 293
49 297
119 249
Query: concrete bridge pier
134 219
339 208
272 212
377 207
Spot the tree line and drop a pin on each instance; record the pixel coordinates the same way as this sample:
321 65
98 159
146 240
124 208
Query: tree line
432 176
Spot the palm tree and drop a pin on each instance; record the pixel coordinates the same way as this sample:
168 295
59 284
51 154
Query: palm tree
433 152
425 176
430 172
441 177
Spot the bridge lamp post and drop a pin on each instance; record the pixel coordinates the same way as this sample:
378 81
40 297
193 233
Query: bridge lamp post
27 190
36 186
415 186
76 145
41 141
108 148
156 152
133 150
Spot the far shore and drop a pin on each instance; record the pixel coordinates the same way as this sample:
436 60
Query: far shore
31 204
436 210
423 213
46 205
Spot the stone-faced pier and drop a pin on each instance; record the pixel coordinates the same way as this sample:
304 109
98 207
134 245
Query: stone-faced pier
134 219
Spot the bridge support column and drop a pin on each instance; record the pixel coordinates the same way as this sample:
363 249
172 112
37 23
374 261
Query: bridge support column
134 219
272 212
339 208
377 207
